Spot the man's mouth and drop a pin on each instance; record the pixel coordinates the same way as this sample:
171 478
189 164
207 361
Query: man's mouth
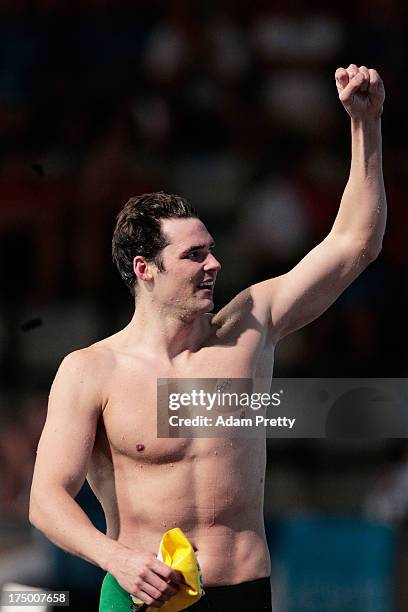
209 285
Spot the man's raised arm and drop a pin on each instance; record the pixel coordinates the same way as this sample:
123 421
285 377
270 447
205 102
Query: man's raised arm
301 295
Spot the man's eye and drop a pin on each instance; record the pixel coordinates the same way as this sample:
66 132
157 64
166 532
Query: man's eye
193 255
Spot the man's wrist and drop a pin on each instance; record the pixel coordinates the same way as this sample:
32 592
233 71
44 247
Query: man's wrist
109 553
366 122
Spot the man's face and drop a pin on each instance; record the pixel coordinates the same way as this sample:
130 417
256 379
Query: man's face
187 284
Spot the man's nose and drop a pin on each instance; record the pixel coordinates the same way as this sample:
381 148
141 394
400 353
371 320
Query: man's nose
212 263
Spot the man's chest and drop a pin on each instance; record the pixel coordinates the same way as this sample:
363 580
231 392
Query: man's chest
137 399
136 385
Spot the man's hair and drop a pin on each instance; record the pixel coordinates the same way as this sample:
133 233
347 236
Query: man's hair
138 230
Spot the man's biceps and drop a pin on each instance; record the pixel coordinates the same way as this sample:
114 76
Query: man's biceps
70 453
66 449
294 308
68 403
285 296
263 293
58 439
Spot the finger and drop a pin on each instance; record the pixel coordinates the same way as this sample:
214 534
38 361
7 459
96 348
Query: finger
167 588
148 599
365 84
342 78
375 81
154 593
352 70
352 87
165 572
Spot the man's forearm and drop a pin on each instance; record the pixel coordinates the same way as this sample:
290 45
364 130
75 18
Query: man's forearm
362 212
63 521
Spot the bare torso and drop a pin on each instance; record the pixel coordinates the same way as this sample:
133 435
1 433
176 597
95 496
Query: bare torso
212 488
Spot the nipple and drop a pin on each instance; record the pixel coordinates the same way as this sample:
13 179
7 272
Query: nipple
140 447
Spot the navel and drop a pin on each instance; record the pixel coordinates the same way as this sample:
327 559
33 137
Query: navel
140 447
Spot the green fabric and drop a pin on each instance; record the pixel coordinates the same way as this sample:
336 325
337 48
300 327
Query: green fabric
113 597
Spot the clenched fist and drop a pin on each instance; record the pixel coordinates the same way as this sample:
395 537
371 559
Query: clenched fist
361 91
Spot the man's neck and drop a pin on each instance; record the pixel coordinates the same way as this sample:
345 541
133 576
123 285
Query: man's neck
165 333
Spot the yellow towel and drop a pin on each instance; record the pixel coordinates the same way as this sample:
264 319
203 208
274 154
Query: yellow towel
176 552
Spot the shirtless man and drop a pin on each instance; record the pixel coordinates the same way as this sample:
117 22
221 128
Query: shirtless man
102 413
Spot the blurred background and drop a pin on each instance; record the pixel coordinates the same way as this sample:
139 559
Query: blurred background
233 105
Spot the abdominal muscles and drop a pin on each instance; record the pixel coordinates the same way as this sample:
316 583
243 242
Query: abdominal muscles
212 489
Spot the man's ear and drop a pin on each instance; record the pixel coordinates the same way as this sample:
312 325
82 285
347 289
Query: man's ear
142 268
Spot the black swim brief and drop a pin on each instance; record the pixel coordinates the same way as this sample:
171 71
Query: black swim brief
254 596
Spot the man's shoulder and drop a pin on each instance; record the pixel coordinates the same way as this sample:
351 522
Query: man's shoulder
247 308
80 382
91 359
229 314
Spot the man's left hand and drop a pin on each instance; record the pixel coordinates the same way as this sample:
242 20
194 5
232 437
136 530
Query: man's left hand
361 91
